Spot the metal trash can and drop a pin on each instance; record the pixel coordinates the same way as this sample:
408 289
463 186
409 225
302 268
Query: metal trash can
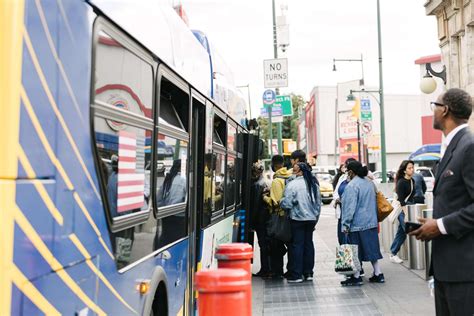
416 257
428 213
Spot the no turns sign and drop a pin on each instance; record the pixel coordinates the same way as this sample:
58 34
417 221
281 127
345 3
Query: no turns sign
275 73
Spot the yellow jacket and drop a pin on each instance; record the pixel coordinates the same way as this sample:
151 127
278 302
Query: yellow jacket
277 188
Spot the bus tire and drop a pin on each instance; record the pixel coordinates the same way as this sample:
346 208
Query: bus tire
156 303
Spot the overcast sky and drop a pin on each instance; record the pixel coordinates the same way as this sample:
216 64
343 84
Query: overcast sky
320 30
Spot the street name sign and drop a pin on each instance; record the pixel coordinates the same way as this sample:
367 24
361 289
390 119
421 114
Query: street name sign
275 72
284 101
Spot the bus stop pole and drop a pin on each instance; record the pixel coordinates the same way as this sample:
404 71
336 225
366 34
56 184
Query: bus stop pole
275 55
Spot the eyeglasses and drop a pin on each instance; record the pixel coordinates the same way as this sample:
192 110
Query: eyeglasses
433 105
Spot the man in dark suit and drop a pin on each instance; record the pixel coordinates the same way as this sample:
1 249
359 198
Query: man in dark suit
452 229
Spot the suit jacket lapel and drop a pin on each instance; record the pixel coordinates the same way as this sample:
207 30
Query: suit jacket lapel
448 155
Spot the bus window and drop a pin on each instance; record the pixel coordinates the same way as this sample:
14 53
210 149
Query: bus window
123 128
174 105
171 183
231 137
219 136
238 179
218 183
170 229
230 182
208 190
122 79
126 168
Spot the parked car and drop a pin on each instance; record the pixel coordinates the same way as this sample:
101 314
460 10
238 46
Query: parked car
332 170
428 175
390 176
325 185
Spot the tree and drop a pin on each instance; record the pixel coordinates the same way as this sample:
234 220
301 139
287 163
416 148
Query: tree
289 125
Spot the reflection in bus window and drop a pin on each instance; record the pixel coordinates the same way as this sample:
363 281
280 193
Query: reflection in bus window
208 191
172 156
218 182
231 137
230 182
170 229
122 79
123 157
238 180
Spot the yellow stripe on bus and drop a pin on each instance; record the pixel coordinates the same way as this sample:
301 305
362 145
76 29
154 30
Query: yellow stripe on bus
55 108
11 52
59 167
27 288
86 255
40 187
56 266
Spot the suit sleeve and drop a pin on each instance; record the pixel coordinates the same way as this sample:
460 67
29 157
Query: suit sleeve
462 222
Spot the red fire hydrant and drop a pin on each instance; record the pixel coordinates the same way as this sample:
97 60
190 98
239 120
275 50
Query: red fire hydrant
223 292
237 256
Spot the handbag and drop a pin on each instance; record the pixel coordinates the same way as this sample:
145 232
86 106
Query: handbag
384 208
347 259
279 227
397 207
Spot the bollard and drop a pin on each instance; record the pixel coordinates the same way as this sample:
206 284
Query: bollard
428 213
223 292
236 256
416 256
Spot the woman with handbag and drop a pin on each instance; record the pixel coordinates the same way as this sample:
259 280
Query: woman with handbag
359 221
302 199
405 189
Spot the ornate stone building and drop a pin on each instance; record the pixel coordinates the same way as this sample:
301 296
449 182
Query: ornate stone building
456 41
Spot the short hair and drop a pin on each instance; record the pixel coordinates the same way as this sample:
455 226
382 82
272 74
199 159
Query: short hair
459 103
298 154
277 160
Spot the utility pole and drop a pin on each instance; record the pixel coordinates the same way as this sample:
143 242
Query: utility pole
382 111
277 90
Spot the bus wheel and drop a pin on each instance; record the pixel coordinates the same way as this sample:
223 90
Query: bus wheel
160 302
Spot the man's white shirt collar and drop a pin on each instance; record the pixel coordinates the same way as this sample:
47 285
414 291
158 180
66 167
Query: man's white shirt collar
447 140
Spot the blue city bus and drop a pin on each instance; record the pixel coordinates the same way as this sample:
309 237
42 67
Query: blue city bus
119 173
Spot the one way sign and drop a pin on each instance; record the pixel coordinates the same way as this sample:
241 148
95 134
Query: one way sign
275 73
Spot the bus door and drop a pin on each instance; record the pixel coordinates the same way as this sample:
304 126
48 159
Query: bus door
195 191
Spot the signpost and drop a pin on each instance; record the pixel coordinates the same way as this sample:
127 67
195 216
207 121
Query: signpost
284 101
365 110
268 100
275 73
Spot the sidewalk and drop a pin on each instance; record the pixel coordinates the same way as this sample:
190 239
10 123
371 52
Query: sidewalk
404 292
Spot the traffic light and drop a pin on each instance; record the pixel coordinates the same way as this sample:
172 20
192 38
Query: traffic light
356 109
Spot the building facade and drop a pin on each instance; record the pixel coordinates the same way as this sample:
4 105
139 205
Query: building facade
403 123
456 40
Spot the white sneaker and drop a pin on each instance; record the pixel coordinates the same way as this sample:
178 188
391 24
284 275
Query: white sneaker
395 259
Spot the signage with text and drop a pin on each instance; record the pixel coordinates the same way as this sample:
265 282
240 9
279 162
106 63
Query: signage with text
275 72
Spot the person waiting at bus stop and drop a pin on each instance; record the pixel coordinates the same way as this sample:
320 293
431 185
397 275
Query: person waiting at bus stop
359 221
302 200
272 199
260 215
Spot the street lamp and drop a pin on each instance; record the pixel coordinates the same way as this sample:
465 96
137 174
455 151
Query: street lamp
427 83
361 83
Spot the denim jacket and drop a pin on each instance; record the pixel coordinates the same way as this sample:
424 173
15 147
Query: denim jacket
296 199
359 205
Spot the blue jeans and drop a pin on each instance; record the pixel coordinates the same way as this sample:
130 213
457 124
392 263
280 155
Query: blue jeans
400 236
301 250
